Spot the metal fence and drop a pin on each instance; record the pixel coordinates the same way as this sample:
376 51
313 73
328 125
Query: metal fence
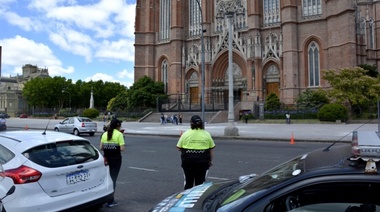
213 102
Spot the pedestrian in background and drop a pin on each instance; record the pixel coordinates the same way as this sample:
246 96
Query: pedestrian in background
196 146
287 118
180 119
112 143
162 118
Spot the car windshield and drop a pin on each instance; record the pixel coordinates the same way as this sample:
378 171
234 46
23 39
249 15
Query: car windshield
63 153
266 180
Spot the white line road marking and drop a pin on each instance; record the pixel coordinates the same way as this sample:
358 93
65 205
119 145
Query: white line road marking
143 169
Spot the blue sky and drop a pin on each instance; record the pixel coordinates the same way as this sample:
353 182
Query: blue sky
76 39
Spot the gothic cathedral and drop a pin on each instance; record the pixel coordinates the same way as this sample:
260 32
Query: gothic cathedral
278 46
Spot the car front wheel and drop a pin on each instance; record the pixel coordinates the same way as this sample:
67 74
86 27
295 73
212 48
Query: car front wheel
56 129
76 132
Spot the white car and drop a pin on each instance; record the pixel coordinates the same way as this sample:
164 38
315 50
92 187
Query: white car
53 171
6 188
77 125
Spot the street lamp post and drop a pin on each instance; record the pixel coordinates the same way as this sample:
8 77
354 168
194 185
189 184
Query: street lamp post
228 10
203 62
69 97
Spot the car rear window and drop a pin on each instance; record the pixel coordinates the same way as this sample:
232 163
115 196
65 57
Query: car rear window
5 154
84 120
63 153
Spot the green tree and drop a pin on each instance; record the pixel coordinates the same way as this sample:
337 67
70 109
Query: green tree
372 70
144 93
103 92
58 92
91 113
46 92
333 112
120 102
312 99
353 86
272 102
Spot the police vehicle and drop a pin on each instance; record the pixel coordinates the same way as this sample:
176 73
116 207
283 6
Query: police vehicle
340 177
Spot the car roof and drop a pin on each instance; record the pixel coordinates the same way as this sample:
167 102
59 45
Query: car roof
26 139
78 117
336 159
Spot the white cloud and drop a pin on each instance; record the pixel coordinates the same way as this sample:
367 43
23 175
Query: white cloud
53 32
119 50
105 18
19 51
126 74
105 78
24 23
73 42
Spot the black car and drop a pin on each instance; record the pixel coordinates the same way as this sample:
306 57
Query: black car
336 178
4 115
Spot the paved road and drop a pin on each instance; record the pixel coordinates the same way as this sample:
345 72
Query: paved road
280 132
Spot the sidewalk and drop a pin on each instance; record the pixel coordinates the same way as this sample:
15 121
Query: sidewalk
251 131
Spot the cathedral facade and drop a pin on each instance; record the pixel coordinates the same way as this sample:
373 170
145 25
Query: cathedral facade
278 46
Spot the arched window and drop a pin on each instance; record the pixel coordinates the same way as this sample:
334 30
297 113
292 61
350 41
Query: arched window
313 64
164 74
311 7
271 11
195 15
165 15
371 39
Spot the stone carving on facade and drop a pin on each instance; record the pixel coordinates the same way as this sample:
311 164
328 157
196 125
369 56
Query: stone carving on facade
272 74
273 46
193 56
193 80
239 23
246 45
239 8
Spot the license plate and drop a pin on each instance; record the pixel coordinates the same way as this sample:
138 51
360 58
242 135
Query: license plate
77 177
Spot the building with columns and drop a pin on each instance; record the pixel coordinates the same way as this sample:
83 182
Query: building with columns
11 100
278 46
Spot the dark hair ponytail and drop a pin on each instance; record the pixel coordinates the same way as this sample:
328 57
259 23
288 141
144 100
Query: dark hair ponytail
115 123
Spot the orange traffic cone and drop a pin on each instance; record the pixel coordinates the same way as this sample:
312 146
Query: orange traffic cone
26 127
292 139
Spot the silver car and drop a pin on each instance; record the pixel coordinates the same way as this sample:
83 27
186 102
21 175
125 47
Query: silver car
77 125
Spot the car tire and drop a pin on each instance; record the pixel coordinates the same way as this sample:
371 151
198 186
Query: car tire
76 132
56 129
92 133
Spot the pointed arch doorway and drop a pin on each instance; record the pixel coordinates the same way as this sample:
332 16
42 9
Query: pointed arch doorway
193 87
272 80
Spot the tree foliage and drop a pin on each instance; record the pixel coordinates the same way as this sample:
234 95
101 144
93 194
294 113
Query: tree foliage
353 86
272 102
46 92
333 112
120 102
58 92
144 93
312 99
372 70
91 113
